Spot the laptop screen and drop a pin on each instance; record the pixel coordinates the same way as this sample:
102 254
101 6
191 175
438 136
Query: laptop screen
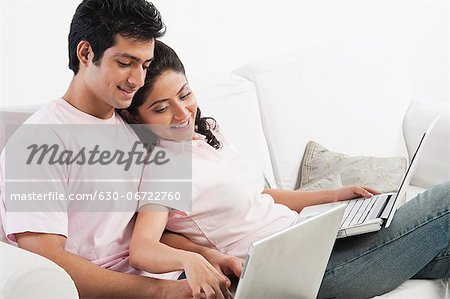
410 171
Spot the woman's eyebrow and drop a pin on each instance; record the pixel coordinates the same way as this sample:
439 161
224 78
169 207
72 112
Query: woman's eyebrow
156 102
163 100
182 87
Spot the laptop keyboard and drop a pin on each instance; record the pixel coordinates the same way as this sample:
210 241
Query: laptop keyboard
361 209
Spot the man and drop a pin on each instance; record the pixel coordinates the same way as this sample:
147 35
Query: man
110 46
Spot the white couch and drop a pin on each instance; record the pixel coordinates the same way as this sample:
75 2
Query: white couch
351 97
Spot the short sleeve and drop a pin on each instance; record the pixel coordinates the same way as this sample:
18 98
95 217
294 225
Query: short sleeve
29 192
169 183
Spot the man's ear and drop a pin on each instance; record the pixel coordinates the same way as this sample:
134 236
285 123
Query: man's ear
84 52
129 118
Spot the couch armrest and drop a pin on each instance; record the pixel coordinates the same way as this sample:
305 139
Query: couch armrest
27 275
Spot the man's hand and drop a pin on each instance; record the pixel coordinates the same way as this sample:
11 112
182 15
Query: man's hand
349 192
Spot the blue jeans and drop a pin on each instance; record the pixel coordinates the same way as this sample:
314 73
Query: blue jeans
416 245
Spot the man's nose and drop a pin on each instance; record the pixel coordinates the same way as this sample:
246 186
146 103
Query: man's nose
137 77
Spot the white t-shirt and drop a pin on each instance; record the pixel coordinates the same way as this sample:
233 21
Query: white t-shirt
229 211
101 236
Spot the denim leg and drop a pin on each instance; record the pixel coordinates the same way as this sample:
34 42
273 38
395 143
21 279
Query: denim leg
416 244
439 267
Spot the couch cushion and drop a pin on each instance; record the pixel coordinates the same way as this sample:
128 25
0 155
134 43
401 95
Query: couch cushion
351 96
232 101
418 288
413 191
434 165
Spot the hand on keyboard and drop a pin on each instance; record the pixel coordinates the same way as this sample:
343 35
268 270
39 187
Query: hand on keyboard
349 192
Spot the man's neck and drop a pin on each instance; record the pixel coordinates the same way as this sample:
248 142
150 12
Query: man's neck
82 99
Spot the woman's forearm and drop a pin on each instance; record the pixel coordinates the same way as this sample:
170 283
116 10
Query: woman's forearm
297 200
156 257
181 242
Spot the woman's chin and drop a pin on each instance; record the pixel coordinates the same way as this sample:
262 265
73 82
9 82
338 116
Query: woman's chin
180 137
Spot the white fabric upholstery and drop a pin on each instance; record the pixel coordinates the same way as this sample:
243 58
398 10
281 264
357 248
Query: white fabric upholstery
25 275
348 96
418 289
413 191
232 101
8 120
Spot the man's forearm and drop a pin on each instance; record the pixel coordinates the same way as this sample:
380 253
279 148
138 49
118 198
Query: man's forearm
93 281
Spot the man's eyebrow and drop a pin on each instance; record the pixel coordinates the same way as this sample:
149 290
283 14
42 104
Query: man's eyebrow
163 100
127 55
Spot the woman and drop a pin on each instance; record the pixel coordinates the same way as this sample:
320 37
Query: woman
231 208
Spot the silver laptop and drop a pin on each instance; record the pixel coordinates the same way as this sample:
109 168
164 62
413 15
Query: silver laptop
368 215
291 263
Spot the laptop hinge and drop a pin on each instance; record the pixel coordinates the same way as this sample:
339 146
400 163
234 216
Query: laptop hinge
245 266
386 210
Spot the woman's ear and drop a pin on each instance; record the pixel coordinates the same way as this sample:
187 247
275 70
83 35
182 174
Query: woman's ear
129 118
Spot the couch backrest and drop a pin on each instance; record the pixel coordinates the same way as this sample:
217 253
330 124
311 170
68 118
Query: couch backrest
232 101
350 97
11 116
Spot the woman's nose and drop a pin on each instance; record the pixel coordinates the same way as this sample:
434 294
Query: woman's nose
180 112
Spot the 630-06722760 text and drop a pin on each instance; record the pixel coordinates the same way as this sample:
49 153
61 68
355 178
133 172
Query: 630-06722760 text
98 195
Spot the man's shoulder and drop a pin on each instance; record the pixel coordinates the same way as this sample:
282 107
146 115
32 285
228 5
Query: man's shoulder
50 113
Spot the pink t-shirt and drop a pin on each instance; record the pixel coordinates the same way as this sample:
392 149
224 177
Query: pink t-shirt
229 211
100 237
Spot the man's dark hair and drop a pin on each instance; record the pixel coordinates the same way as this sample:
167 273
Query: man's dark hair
99 21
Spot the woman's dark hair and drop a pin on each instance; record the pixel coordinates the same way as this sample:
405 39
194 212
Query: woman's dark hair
166 59
99 21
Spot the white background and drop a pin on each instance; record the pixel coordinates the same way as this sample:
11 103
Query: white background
218 36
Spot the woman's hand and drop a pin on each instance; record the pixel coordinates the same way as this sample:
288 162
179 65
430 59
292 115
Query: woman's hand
204 278
349 192
226 264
